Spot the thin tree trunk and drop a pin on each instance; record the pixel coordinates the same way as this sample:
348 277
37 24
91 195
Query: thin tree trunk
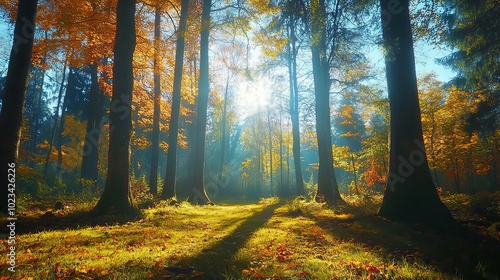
116 197
354 174
270 135
410 194
169 185
223 131
56 120
328 190
90 157
199 194
14 94
282 187
155 143
60 131
294 107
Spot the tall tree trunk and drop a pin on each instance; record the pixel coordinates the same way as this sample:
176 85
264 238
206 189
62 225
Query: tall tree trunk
169 185
116 196
328 190
294 106
199 194
56 120
15 92
90 157
155 143
410 194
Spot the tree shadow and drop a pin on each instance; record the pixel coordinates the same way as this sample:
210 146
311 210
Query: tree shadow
74 220
217 259
466 253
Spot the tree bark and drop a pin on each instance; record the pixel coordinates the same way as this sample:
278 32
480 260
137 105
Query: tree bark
328 190
15 92
116 197
155 143
169 185
198 193
410 195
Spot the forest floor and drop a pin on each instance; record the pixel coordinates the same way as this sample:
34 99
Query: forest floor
273 239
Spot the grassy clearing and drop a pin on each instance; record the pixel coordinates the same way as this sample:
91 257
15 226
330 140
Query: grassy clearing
270 240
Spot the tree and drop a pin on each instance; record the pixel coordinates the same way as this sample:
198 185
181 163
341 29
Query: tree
14 92
199 194
169 184
93 130
116 196
410 194
327 184
292 52
155 143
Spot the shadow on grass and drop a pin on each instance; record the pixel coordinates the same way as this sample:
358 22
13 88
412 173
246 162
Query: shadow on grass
218 259
74 220
465 253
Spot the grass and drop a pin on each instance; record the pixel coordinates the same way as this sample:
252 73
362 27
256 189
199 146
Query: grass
273 239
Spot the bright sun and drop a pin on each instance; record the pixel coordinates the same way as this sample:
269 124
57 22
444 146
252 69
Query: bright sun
254 96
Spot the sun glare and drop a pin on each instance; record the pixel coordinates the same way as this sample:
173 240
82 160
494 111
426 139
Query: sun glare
254 96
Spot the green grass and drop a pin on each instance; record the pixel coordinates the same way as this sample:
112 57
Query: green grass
269 240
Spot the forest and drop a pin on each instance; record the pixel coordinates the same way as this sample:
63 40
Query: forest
250 139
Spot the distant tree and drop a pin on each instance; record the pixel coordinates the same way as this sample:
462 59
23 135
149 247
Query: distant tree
90 156
14 91
56 121
116 196
410 194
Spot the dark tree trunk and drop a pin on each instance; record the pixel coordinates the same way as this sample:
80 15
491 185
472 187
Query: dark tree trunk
410 195
155 143
294 106
15 92
328 190
116 196
169 185
90 157
198 193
